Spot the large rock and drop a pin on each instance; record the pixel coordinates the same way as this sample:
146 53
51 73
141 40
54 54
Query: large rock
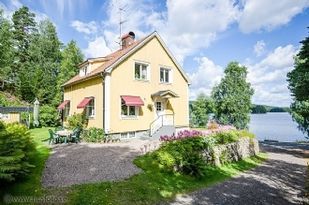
232 152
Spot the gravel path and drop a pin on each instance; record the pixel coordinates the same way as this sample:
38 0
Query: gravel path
85 163
279 180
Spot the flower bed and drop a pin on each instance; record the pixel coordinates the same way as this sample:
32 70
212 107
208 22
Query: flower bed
195 133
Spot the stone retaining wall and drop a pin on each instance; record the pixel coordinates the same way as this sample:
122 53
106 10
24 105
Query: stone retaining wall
232 152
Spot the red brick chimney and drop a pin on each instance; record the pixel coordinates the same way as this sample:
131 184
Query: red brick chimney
127 39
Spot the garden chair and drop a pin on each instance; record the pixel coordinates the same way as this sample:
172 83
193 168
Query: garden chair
53 137
76 135
59 129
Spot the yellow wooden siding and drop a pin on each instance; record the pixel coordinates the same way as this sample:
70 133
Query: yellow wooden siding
123 83
12 117
76 93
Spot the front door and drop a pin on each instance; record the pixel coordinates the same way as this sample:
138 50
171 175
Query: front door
159 105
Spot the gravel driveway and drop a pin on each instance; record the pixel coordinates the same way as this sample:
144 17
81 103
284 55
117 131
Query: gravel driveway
85 163
280 180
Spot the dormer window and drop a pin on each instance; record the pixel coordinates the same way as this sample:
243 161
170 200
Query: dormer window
83 71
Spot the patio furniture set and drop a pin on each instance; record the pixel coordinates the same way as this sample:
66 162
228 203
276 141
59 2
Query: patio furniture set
61 134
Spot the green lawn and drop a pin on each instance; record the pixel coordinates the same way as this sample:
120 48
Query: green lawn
148 187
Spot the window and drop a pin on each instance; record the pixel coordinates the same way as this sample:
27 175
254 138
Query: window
66 110
83 71
141 71
159 106
90 111
131 134
165 75
126 135
128 111
4 116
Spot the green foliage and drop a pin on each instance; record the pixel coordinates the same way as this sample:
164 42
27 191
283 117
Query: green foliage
77 120
71 57
6 48
45 62
298 80
257 109
225 137
15 147
93 134
277 109
24 27
200 109
232 97
49 116
183 156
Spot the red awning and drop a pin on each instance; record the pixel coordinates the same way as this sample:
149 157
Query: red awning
132 100
63 104
84 102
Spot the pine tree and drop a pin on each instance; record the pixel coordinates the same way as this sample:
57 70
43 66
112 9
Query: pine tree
6 49
24 28
45 61
232 97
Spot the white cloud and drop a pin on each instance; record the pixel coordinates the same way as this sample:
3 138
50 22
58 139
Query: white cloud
87 28
97 48
207 75
267 15
12 6
67 7
268 77
186 26
259 48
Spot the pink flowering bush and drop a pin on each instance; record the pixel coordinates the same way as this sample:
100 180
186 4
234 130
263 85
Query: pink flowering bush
195 133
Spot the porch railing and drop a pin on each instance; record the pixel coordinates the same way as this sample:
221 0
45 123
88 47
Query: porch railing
162 120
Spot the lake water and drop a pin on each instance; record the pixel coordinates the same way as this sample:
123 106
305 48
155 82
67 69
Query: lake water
275 126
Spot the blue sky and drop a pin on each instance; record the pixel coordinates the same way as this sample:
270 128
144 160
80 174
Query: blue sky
203 35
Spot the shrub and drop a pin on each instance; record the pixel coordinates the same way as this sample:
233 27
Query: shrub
49 116
183 156
15 148
77 120
225 137
93 135
245 133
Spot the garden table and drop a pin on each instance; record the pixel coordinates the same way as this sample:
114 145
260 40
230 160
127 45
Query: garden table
64 133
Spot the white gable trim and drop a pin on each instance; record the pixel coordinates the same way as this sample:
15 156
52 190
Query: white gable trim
151 36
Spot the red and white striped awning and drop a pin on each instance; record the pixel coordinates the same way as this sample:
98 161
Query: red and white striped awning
63 104
84 102
132 100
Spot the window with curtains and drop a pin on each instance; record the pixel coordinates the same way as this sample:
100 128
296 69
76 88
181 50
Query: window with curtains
90 109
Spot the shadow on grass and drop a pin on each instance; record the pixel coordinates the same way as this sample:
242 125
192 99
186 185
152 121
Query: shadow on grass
153 186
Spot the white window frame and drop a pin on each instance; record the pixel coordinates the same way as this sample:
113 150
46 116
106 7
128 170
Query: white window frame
147 78
84 70
127 135
4 116
66 110
92 107
170 77
161 106
128 116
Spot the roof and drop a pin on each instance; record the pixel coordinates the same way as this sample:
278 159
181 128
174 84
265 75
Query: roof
113 59
15 109
163 93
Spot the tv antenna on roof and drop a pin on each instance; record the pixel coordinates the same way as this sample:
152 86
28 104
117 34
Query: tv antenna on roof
121 9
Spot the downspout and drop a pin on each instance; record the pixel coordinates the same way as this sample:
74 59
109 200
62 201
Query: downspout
103 96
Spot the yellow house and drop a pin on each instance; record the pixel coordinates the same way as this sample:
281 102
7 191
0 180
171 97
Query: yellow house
139 90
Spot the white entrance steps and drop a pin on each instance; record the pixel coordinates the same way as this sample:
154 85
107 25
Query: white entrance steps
164 130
